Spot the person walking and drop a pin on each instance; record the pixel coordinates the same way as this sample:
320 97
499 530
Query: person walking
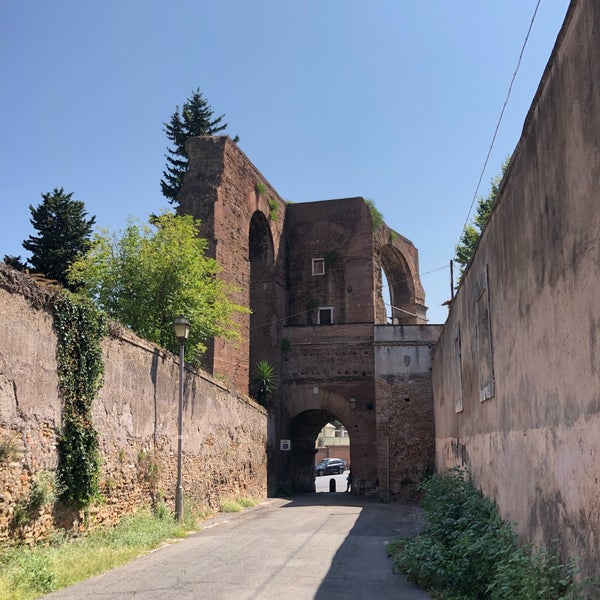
349 481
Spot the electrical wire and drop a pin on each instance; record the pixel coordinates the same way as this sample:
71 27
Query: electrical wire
487 158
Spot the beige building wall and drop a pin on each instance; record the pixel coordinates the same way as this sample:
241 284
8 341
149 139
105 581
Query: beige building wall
517 368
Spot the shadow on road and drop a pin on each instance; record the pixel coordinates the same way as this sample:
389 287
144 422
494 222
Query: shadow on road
361 565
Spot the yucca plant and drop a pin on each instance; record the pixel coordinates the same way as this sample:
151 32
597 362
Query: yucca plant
263 382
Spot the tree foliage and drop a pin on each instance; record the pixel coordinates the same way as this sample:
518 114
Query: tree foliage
194 118
63 234
472 231
16 262
146 275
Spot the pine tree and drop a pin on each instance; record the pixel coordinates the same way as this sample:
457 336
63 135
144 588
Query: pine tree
64 234
194 118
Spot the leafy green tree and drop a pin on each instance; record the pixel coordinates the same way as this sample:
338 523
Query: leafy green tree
472 232
145 276
64 234
194 118
263 382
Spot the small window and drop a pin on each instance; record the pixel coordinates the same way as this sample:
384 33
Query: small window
325 316
318 266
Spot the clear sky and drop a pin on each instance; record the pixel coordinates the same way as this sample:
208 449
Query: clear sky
393 100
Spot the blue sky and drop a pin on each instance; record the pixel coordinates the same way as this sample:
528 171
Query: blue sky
393 100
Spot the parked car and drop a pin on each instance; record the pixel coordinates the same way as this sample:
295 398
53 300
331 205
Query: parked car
330 466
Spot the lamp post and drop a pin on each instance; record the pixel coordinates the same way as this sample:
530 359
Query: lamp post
182 331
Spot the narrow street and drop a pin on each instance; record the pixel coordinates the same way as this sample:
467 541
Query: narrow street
322 546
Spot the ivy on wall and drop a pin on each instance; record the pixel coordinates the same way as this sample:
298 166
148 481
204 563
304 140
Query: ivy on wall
80 328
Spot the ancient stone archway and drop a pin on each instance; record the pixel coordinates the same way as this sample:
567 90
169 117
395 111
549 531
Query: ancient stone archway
262 297
401 285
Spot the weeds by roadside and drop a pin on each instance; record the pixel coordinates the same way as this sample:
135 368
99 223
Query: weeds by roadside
27 572
467 552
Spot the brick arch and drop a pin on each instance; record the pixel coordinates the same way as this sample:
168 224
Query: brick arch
401 285
261 292
304 429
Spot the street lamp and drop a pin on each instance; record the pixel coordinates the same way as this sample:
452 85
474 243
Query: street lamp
353 403
182 330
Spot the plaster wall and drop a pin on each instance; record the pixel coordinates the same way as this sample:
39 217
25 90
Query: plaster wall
225 433
516 375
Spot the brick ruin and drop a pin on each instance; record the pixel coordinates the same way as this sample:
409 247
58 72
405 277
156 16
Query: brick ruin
312 275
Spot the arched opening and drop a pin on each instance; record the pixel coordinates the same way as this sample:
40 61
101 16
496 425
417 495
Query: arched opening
316 436
262 335
400 287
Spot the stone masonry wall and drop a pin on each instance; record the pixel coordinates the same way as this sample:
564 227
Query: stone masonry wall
135 415
405 420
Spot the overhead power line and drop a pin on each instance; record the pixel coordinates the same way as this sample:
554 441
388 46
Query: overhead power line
501 114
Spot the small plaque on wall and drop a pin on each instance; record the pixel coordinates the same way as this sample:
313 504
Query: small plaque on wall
285 444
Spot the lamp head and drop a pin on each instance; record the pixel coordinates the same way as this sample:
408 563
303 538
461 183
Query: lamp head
182 328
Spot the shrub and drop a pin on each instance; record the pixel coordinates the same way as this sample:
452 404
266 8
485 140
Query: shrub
466 551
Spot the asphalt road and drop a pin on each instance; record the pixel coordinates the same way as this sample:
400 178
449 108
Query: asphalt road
322 546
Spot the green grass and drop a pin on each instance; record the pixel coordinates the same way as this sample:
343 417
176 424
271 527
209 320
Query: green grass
28 572
229 506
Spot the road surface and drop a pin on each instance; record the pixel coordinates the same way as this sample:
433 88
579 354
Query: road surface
321 546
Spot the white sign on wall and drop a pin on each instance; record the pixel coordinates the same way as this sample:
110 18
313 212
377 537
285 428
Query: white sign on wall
285 444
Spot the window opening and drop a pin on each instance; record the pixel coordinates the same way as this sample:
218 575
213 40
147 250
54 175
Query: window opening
325 315
318 266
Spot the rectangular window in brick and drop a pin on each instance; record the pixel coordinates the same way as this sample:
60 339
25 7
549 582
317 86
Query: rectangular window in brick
318 266
325 315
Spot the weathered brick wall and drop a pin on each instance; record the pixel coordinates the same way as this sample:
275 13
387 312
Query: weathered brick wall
221 190
135 415
323 367
516 375
339 231
405 420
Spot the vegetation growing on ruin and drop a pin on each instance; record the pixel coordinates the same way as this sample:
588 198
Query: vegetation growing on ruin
466 551
263 382
376 216
260 188
273 206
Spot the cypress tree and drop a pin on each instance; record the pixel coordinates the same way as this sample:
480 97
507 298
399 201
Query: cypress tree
64 234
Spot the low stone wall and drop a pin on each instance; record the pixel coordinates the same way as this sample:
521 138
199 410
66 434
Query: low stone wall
135 414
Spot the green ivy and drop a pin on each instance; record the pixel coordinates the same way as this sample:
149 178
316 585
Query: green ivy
80 328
